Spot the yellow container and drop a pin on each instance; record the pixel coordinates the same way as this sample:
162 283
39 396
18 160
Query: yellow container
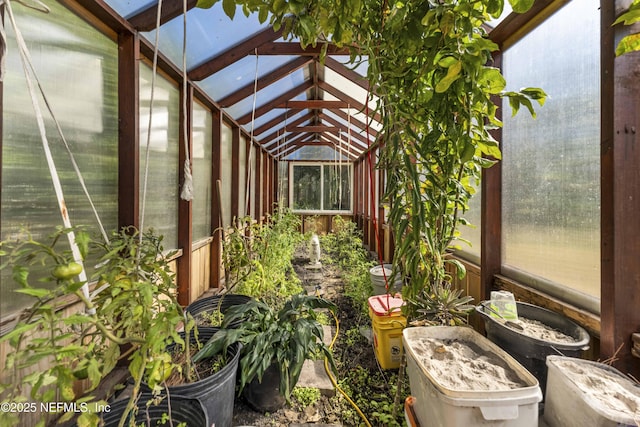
387 323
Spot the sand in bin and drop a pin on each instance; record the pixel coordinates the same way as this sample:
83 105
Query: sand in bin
464 366
536 329
604 390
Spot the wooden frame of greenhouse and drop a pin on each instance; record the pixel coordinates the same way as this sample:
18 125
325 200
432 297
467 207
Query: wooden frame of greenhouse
257 121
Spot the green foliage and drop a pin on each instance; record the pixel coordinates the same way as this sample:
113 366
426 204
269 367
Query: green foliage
258 257
343 247
378 406
430 62
631 42
442 305
287 337
133 307
306 396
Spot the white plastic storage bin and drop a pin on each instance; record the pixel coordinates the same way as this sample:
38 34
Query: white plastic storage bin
440 405
586 393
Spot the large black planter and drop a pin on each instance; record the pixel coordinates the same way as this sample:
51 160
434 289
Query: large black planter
265 396
207 306
532 352
182 410
216 392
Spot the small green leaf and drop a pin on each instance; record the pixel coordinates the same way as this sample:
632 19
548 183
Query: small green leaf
206 4
630 43
229 7
521 6
34 292
492 79
630 16
452 75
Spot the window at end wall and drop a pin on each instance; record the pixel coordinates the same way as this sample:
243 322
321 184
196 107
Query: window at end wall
320 187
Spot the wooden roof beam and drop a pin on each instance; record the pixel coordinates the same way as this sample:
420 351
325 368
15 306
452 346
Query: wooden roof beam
234 54
354 122
281 120
264 81
276 102
146 20
313 104
293 48
313 129
268 140
348 100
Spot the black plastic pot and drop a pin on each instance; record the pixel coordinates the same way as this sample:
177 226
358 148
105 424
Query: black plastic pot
182 410
216 392
265 396
532 352
211 304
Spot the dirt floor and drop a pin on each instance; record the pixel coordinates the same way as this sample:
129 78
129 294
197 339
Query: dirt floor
371 388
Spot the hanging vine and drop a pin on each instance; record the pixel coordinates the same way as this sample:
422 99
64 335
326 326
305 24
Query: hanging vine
430 67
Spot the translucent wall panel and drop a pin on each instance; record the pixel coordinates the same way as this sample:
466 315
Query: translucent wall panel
226 155
162 191
201 159
242 182
470 234
77 68
551 202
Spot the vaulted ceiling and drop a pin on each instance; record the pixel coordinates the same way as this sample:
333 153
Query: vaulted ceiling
285 96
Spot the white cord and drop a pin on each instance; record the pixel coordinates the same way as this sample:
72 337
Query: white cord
187 187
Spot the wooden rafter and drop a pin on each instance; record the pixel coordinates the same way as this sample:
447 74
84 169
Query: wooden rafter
350 101
313 129
274 103
311 103
354 122
233 54
359 148
146 20
279 122
264 81
267 140
292 48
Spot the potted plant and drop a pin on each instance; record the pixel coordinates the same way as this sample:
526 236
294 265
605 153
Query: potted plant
275 344
131 316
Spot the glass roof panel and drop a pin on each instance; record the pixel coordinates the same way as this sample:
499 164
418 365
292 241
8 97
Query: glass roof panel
209 32
129 8
241 73
346 86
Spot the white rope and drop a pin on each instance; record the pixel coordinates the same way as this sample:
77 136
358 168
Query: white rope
187 187
75 250
349 142
249 157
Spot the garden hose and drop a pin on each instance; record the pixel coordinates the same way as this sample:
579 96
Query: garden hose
333 380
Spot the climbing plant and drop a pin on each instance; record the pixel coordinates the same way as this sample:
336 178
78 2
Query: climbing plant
431 77
631 42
